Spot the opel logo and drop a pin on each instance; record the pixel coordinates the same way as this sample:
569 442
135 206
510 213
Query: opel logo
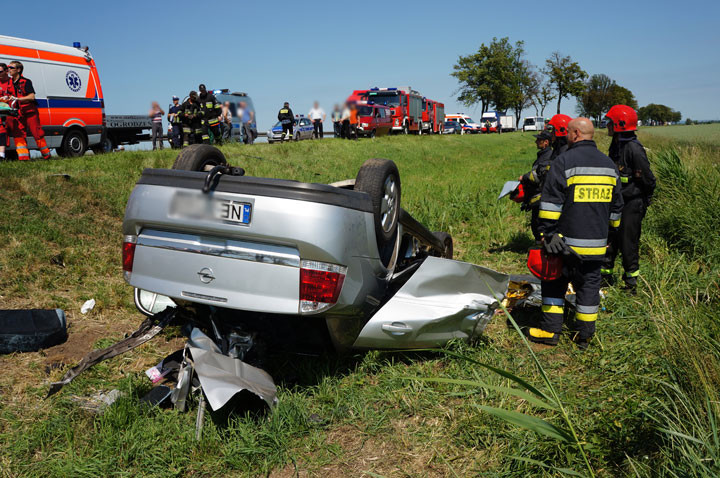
206 275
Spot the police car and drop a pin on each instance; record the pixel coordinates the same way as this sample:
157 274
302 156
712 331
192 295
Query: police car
302 129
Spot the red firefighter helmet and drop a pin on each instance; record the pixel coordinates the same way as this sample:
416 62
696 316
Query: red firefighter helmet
558 125
518 194
544 266
623 118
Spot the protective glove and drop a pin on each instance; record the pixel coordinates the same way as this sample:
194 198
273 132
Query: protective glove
555 244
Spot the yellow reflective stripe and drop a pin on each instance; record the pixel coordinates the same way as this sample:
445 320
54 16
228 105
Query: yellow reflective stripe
552 309
549 214
591 180
586 317
615 223
624 179
532 176
632 274
535 199
589 251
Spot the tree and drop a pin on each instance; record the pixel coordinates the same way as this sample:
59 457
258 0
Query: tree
597 97
491 76
658 114
565 75
525 86
688 121
542 97
600 94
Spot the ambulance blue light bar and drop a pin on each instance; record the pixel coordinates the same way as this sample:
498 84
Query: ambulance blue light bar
76 44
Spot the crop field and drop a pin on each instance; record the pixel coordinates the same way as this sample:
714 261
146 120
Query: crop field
644 399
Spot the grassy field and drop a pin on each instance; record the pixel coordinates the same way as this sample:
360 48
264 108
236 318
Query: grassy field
644 398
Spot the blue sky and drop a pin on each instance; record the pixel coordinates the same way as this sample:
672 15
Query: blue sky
664 51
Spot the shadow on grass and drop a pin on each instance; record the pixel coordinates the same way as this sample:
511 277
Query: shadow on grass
520 242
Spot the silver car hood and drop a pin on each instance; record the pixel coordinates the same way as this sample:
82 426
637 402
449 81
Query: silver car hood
443 300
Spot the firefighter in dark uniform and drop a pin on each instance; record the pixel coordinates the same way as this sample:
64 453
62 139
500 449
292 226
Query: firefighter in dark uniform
534 180
174 120
211 111
638 186
191 119
581 201
558 127
286 118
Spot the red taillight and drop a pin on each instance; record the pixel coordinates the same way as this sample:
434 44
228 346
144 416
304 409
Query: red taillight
128 254
320 285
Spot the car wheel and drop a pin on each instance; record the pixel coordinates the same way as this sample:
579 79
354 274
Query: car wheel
199 157
297 137
420 129
106 146
372 134
447 241
380 179
73 144
405 129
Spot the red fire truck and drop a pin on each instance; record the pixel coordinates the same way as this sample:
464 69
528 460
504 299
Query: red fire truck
405 104
433 116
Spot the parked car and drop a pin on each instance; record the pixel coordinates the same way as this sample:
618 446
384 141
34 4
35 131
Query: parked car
467 124
302 129
342 263
373 120
452 127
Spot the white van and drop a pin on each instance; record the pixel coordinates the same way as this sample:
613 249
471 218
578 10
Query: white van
533 123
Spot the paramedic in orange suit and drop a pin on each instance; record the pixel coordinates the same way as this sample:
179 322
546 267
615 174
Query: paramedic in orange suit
29 117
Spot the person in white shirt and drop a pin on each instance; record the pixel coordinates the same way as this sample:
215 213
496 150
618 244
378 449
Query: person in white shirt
317 116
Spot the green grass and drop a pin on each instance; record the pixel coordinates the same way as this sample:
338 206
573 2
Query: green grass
644 400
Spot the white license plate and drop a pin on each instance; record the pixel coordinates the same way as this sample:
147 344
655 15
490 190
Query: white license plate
233 211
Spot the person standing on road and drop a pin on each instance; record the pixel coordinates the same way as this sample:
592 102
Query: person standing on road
191 118
210 122
335 116
28 120
353 121
534 180
638 186
226 121
247 119
345 122
317 116
156 114
286 118
174 120
581 202
558 127
6 91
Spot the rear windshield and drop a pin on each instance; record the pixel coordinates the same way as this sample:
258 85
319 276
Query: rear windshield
390 98
529 121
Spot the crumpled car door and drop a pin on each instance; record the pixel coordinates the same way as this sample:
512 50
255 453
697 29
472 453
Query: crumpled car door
443 300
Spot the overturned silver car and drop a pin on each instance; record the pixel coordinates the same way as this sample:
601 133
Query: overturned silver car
341 263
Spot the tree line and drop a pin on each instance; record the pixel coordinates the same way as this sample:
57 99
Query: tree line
498 76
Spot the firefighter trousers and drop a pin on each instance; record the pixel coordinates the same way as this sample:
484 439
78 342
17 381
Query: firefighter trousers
192 132
287 130
535 223
210 126
585 278
626 241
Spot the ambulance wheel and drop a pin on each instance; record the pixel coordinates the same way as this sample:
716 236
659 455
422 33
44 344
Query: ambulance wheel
199 157
380 179
446 239
73 145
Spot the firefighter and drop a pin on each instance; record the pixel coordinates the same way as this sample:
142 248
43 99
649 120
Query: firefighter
533 180
191 119
286 118
581 201
638 186
211 111
558 128
28 120
174 120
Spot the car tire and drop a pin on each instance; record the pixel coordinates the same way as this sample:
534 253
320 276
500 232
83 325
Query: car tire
73 144
405 129
447 240
105 146
199 157
380 179
372 134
